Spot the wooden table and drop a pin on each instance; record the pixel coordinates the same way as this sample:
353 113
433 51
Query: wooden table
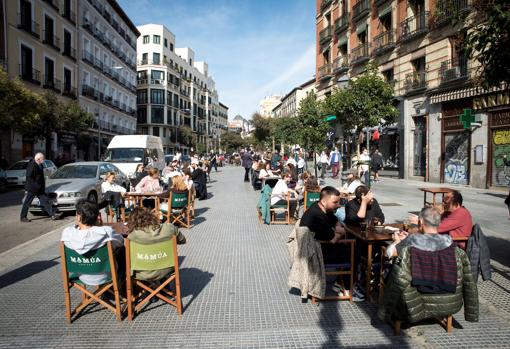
138 198
370 238
434 192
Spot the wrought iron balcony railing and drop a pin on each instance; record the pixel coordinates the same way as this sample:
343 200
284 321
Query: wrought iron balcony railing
341 64
413 27
360 54
360 9
342 23
415 81
30 74
384 42
446 10
454 69
324 71
325 35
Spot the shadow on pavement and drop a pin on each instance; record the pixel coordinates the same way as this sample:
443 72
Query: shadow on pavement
193 281
499 250
26 271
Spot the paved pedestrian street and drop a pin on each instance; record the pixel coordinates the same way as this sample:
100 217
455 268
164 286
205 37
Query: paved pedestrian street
235 294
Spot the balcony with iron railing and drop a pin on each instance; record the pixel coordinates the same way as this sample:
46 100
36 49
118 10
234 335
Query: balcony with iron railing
342 23
30 74
360 54
384 42
341 64
414 27
325 35
360 9
415 82
447 10
51 40
51 83
87 24
324 71
69 52
69 91
454 70
89 91
27 24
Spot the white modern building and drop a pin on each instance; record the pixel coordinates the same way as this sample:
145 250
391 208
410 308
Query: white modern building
107 71
176 95
267 105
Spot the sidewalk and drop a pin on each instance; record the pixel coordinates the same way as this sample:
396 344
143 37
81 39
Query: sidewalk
233 274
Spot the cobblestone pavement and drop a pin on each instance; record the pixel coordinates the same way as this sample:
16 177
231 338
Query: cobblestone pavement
233 276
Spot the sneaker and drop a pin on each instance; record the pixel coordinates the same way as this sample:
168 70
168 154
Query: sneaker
57 216
337 287
25 220
357 294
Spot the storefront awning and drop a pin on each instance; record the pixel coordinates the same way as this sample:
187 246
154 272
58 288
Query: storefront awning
460 94
361 28
342 41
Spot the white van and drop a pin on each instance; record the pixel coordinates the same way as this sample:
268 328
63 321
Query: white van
126 152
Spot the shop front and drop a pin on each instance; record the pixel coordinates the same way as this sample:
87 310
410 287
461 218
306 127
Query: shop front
455 144
499 146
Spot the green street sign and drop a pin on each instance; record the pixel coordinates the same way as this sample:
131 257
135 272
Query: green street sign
330 118
467 118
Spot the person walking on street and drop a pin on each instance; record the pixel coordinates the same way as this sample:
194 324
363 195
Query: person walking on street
324 160
247 162
36 187
364 161
377 164
334 161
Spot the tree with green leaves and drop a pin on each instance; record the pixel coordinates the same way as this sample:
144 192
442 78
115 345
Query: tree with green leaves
185 136
261 136
366 101
310 131
486 39
232 142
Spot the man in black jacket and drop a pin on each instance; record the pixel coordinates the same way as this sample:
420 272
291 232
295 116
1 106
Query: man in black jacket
35 186
363 208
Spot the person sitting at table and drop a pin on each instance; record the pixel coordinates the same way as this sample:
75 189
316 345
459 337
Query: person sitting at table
138 175
266 171
178 184
112 192
363 208
149 183
352 182
291 169
199 178
86 235
145 229
170 171
428 239
456 219
280 193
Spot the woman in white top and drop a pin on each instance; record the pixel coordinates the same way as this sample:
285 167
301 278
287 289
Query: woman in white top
324 160
266 171
112 192
364 160
281 191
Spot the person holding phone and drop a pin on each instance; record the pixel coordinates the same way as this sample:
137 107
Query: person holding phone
363 208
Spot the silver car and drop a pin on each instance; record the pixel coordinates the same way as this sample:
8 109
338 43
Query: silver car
79 180
17 173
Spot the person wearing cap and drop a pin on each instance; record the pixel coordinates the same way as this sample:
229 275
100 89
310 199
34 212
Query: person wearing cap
353 181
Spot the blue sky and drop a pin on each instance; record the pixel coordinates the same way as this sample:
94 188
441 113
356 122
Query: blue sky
254 48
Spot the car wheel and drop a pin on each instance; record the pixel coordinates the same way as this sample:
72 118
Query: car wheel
92 197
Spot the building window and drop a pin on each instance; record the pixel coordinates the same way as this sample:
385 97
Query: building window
141 96
156 39
141 114
171 47
155 131
166 42
155 58
145 58
157 96
157 75
157 115
146 39
164 132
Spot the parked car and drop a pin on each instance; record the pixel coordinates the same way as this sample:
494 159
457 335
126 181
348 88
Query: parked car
17 173
76 181
168 158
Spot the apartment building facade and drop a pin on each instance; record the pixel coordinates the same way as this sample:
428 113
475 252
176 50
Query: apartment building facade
222 125
417 50
39 40
174 92
289 103
107 72
267 104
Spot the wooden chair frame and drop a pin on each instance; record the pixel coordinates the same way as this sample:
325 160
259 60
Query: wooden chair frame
88 296
184 216
273 211
159 292
305 199
350 272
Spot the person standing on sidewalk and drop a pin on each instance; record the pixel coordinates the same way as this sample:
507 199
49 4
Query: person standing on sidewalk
364 161
334 161
377 164
35 187
247 162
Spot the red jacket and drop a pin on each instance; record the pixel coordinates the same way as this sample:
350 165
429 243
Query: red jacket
457 223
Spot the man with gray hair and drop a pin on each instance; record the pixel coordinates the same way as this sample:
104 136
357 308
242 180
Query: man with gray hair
427 240
35 186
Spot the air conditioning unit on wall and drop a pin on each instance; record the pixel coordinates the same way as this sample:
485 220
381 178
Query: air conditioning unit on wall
452 73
